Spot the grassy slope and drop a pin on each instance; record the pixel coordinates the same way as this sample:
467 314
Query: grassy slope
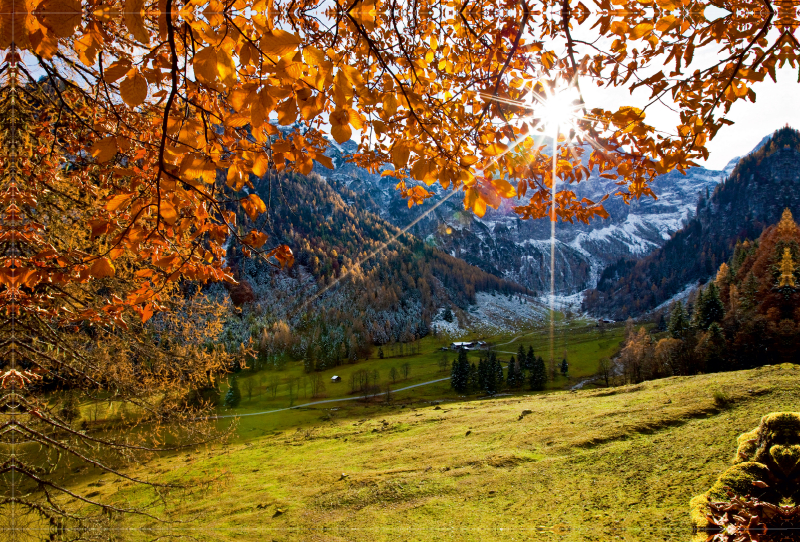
595 460
583 342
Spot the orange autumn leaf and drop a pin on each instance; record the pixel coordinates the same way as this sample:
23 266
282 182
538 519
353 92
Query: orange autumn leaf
102 268
133 89
253 206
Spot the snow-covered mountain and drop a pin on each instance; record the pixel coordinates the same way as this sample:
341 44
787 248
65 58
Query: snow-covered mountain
504 245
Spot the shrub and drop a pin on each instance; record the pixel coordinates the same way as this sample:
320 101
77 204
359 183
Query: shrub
721 399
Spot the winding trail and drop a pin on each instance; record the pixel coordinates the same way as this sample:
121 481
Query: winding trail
321 402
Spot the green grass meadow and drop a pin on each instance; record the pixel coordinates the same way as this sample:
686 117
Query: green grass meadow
600 464
583 342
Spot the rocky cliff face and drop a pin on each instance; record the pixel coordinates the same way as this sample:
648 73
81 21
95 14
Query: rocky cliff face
504 245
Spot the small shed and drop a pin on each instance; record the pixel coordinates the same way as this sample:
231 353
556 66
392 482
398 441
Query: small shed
336 378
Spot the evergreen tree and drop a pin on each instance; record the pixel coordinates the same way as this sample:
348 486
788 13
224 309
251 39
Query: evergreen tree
380 352
233 396
448 315
309 363
499 376
513 373
490 380
714 349
661 323
564 367
678 322
459 377
474 384
522 359
482 372
530 360
696 321
538 375
749 292
713 308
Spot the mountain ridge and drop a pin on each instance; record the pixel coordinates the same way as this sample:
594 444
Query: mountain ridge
502 244
754 196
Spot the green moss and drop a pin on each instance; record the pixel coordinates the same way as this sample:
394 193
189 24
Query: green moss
771 454
787 458
747 446
740 479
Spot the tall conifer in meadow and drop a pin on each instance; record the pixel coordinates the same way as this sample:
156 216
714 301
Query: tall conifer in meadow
474 383
530 359
538 376
678 322
513 373
521 357
459 377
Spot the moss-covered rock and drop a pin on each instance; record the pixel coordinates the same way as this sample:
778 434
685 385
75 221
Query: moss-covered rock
766 469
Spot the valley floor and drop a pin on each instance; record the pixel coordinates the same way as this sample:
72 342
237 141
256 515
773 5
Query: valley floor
602 464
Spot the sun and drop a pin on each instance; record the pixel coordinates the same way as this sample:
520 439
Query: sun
558 110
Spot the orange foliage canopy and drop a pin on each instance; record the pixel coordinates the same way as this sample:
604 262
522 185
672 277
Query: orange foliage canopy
158 111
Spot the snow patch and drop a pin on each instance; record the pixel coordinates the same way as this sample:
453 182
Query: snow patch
495 313
680 296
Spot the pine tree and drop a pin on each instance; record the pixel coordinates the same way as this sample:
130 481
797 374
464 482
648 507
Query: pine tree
696 321
513 378
309 363
530 360
490 380
520 373
499 376
678 322
661 323
564 367
538 375
474 384
448 315
459 378
233 396
482 373
749 292
713 308
715 348
521 357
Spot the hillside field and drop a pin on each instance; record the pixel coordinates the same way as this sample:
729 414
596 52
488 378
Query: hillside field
601 464
583 342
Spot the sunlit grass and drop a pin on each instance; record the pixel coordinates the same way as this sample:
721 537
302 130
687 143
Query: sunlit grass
595 461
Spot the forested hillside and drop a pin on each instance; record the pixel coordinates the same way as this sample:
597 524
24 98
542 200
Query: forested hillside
353 285
761 186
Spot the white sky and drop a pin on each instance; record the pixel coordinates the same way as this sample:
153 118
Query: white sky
776 105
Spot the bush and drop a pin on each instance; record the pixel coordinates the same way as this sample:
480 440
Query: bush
721 399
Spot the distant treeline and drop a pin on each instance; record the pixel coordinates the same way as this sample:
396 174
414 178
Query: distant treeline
748 316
